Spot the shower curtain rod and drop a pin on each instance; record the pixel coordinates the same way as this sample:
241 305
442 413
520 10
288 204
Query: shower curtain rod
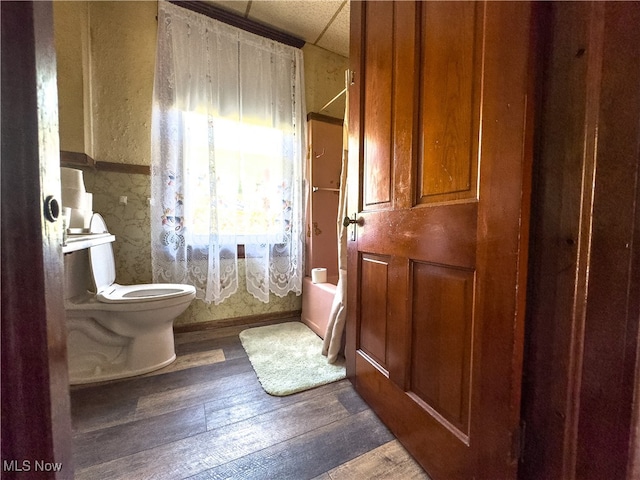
344 90
348 78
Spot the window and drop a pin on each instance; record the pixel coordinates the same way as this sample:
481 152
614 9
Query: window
228 146
249 178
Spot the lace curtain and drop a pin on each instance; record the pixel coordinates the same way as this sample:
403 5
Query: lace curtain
228 139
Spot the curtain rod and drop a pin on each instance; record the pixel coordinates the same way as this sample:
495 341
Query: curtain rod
344 90
234 20
348 78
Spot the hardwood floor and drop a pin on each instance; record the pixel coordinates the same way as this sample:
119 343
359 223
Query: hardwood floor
206 417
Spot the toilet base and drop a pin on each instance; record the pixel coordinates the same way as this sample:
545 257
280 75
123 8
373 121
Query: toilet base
96 354
111 372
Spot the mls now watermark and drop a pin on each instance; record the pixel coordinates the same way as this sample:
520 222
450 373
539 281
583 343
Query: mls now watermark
30 466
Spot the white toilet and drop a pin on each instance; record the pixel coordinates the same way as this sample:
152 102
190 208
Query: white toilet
119 331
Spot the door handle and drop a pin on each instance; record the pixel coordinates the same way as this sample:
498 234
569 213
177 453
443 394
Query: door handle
51 208
348 221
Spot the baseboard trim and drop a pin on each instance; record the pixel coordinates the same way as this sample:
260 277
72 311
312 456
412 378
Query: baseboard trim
252 320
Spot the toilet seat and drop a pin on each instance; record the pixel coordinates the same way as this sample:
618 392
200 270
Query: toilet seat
115 293
103 270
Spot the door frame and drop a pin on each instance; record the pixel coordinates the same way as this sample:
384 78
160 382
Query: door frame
581 384
36 422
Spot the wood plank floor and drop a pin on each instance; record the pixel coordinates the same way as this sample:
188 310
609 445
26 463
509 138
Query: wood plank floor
206 417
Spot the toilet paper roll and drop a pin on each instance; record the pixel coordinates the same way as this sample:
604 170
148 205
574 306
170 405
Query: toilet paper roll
319 275
71 178
74 198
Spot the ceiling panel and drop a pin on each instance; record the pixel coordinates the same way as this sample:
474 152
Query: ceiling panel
314 21
306 19
336 38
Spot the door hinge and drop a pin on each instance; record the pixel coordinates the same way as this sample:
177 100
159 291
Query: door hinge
517 442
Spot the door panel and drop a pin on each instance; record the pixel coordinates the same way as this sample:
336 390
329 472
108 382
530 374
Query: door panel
373 326
442 324
448 125
440 140
377 100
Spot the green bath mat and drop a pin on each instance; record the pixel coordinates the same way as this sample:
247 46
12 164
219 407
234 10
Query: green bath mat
287 358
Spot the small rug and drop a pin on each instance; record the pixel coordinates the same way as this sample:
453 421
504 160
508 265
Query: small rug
287 358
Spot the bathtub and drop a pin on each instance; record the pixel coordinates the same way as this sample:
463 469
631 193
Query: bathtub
317 299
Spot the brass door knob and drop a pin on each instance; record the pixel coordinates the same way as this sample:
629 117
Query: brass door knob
348 221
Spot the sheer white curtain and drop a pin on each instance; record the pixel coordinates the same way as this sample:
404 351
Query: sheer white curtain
228 143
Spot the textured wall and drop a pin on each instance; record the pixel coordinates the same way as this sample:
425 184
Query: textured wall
122 52
71 26
129 223
324 79
123 47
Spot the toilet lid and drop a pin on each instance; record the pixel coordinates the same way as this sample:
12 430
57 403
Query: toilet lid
103 265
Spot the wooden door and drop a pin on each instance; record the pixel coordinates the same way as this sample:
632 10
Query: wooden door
36 424
440 158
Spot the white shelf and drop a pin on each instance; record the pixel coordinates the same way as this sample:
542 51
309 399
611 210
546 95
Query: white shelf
86 240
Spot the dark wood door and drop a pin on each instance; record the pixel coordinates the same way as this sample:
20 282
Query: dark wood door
440 158
36 425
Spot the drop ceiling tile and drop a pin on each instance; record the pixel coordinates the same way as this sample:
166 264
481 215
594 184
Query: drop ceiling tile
304 19
336 38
